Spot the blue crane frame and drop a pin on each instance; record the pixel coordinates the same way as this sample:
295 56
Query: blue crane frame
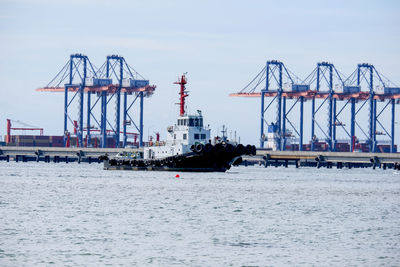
331 97
74 62
80 66
275 71
112 71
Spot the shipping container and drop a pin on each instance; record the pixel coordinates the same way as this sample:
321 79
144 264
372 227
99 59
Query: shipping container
56 137
24 141
140 83
347 89
290 87
25 144
342 147
42 144
57 144
351 89
292 147
127 82
24 137
97 82
42 137
392 90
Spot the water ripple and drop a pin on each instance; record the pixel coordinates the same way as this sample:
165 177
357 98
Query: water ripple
70 214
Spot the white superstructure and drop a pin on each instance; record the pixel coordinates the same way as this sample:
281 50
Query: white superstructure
188 130
273 138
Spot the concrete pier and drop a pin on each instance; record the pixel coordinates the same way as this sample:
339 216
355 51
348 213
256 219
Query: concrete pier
58 154
325 159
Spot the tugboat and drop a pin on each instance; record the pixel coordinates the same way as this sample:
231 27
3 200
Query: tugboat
188 148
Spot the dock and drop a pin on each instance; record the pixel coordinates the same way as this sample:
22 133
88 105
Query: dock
325 159
58 154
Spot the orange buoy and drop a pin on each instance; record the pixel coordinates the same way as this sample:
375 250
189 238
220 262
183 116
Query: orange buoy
177 176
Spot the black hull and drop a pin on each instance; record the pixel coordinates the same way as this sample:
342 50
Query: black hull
209 158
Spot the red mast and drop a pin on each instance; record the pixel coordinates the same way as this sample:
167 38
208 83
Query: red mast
182 94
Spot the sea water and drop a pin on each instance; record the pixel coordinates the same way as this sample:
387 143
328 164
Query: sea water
79 214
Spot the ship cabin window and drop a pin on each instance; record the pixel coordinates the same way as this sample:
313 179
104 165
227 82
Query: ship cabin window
203 136
196 136
184 136
191 122
196 122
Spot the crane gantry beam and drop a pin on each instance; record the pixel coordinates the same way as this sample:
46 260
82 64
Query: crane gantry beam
110 89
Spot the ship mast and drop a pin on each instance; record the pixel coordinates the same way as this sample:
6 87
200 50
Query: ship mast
182 94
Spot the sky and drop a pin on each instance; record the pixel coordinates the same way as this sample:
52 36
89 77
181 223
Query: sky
221 44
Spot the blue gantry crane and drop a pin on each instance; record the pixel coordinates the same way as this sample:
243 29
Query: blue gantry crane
80 77
331 89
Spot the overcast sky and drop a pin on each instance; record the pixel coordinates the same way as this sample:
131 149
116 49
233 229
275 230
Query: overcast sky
221 44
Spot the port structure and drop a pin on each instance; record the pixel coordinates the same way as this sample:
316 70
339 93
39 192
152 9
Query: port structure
80 77
327 89
24 127
323 78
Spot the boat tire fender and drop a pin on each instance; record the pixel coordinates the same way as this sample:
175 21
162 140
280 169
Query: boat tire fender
199 148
